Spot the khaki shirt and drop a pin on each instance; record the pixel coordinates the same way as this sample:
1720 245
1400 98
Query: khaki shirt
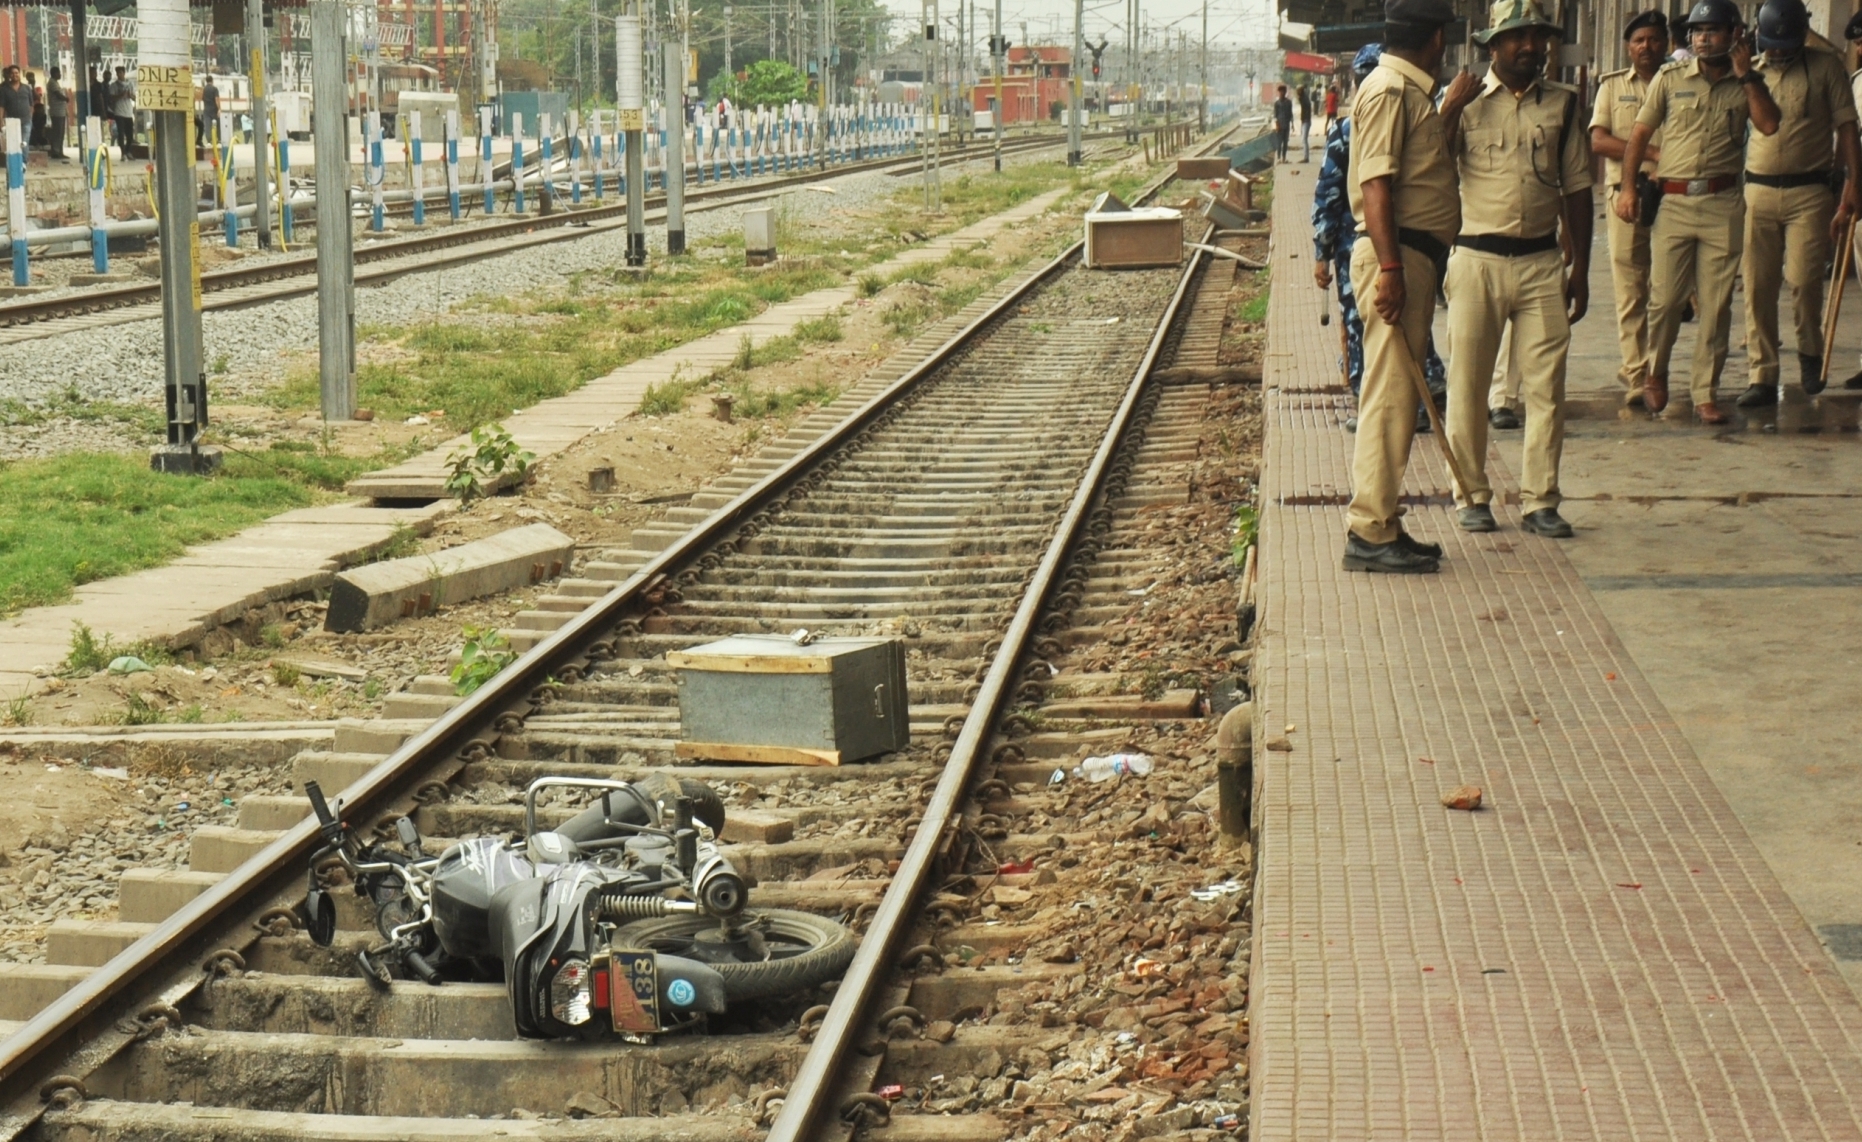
1396 133
1619 97
1703 122
1813 100
1514 172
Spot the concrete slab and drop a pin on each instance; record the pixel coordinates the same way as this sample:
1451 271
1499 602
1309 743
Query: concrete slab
382 593
26 989
90 943
149 895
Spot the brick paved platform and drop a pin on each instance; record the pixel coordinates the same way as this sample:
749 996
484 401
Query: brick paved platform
1601 952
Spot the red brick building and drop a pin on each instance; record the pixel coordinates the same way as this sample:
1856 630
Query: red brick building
1033 81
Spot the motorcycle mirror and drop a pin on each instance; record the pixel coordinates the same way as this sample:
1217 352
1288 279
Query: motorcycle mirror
409 835
319 910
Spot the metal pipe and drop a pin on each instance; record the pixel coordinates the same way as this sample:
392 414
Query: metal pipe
261 126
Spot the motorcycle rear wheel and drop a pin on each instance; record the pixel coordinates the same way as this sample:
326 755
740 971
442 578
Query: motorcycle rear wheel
804 950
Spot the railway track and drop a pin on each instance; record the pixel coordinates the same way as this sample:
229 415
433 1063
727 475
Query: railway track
986 505
279 279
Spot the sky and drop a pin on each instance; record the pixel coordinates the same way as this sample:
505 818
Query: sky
1234 22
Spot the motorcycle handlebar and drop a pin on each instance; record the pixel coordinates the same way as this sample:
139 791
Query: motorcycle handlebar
326 820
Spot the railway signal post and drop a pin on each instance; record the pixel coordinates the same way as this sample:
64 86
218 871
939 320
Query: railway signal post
336 283
165 86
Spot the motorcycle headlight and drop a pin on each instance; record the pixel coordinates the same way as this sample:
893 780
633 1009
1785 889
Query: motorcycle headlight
572 997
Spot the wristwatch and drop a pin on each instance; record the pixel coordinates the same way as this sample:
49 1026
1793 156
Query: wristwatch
1753 77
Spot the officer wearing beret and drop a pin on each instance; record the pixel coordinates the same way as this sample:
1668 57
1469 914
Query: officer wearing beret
1525 169
1792 215
1619 99
1703 108
1404 196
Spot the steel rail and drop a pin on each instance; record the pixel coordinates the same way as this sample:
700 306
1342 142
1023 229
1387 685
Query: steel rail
815 1080
60 1029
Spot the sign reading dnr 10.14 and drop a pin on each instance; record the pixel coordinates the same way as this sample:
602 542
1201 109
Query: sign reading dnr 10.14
160 87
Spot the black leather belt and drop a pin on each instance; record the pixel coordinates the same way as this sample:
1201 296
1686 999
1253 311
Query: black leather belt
1508 247
1789 181
1424 243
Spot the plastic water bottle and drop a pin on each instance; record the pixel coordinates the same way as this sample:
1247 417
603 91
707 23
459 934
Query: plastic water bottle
1098 769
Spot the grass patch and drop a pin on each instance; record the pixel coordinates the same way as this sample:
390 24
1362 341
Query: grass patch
824 329
1255 308
476 372
73 519
871 284
667 397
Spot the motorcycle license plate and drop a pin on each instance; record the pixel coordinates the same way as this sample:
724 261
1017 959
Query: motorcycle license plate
635 1003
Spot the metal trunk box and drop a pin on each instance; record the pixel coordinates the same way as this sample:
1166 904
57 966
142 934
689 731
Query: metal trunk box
1133 239
770 699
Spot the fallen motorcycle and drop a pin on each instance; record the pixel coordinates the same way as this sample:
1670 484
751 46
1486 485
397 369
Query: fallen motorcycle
624 920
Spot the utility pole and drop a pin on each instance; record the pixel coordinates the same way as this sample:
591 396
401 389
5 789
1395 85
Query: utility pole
674 106
261 127
997 50
1202 80
165 85
336 283
630 99
927 105
729 71
1073 93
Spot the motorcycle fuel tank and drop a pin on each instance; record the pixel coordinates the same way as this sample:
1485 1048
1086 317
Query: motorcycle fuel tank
468 876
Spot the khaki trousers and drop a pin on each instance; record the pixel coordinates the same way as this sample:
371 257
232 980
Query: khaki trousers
1694 248
1393 357
1787 240
1485 293
1629 274
1504 391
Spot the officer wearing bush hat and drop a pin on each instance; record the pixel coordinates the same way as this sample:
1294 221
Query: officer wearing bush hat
1703 108
1792 215
1404 196
1613 120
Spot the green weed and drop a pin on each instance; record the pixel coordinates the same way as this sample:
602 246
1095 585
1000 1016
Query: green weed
825 328
486 652
667 397
141 712
1255 308
285 674
478 468
18 712
871 284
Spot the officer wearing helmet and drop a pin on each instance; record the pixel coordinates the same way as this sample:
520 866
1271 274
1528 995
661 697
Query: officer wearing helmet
1703 108
1792 214
1619 99
1525 172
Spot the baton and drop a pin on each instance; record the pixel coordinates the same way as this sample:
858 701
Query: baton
1414 369
1839 277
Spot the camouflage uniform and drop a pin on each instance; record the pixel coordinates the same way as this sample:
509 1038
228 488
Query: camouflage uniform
1333 231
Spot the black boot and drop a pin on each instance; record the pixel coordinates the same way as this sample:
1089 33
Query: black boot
1389 558
1811 369
1758 396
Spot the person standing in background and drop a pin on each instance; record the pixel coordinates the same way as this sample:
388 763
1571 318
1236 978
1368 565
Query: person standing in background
37 138
1703 107
16 101
1283 121
123 110
1331 106
58 106
1305 101
209 112
1793 216
1612 121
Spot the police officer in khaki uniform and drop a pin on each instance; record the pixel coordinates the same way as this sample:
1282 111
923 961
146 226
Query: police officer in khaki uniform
1853 33
1702 108
1792 214
1403 194
1619 98
1525 168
